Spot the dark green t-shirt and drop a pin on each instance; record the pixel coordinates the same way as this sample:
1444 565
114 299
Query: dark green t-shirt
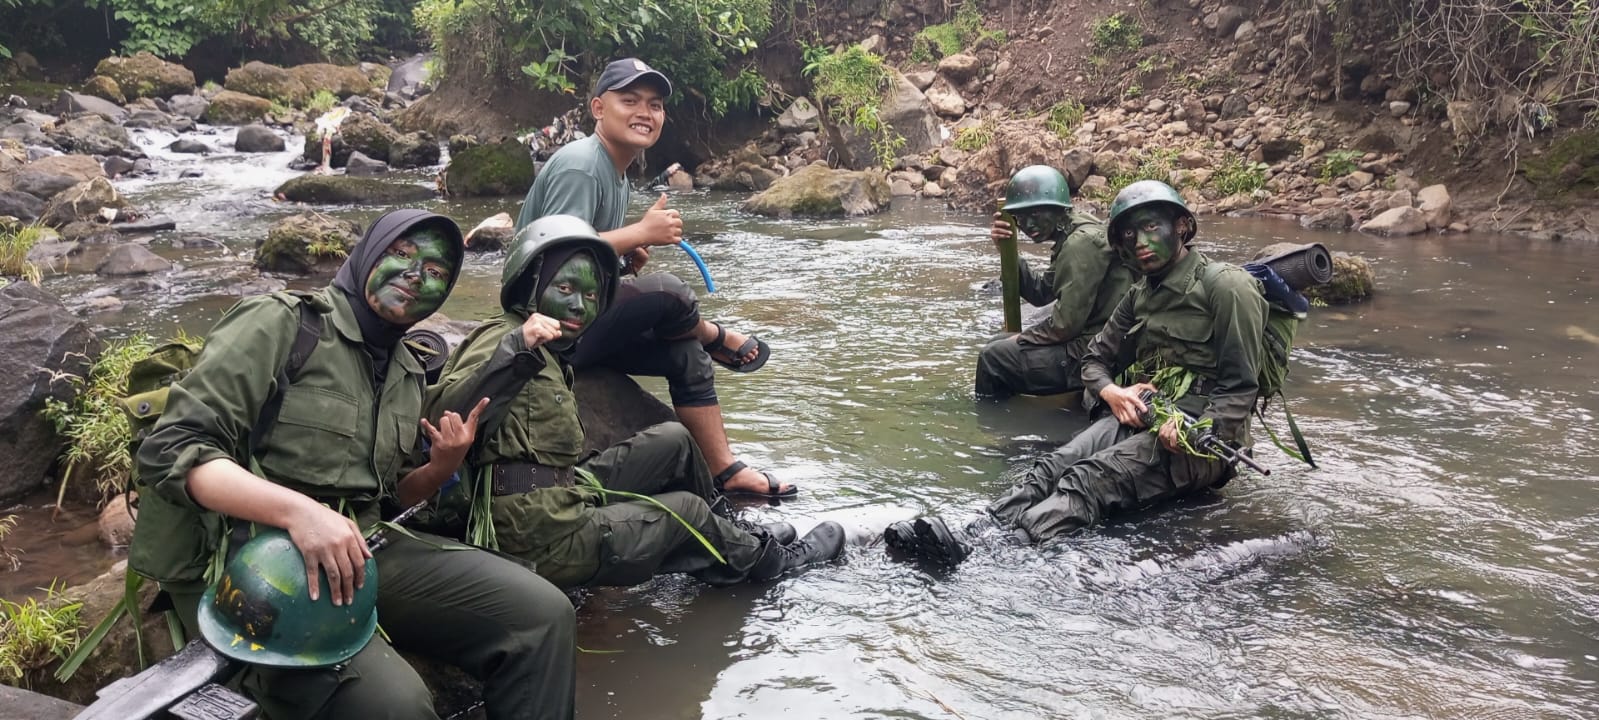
578 180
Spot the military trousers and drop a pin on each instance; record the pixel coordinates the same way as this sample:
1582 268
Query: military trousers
626 541
1108 468
1007 367
633 336
499 623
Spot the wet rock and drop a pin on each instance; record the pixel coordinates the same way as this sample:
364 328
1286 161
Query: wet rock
157 120
361 133
1436 206
681 180
932 190
146 76
414 150
306 243
959 68
1333 218
236 108
819 191
1396 221
503 168
45 177
906 110
53 253
22 704
190 106
191 173
154 223
42 338
187 146
267 81
946 100
104 88
116 522
800 116
116 166
1352 281
1224 22
71 102
81 202
491 234
340 80
362 166
346 190
28 135
900 187
257 139
132 259
84 232
20 205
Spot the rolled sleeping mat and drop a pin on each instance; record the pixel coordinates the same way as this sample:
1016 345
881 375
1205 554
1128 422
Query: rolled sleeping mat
1302 266
431 349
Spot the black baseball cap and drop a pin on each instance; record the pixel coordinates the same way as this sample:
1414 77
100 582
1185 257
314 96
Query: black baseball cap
622 73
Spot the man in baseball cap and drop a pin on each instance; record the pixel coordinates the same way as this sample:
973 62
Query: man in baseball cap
620 74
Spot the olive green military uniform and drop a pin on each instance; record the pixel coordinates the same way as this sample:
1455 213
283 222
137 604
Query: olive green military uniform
1085 281
343 441
576 535
1205 316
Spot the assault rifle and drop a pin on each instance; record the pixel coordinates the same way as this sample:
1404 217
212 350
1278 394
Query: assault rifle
1205 440
187 685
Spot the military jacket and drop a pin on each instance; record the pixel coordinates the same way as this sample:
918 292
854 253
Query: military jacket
1084 280
531 417
337 438
1208 320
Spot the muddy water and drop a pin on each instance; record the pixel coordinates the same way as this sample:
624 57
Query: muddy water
1440 563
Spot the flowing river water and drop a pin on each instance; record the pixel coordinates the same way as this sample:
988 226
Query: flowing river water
1439 564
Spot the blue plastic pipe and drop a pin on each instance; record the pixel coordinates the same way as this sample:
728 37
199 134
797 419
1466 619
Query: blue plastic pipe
705 272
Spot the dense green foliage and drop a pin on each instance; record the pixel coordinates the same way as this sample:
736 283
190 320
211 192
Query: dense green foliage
14 247
95 427
704 46
1339 163
34 633
944 39
849 85
1064 117
1236 175
1116 33
340 30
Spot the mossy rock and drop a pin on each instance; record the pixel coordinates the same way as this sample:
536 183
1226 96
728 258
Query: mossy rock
1571 162
819 191
146 76
104 88
269 81
1352 281
498 169
346 190
339 80
236 108
306 243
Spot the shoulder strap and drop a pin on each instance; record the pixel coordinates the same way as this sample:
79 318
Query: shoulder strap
306 337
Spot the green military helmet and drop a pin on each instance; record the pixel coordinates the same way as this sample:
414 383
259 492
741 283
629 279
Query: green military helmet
259 612
1037 185
1148 192
528 248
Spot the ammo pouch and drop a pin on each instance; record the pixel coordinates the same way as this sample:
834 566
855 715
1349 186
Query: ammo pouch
516 478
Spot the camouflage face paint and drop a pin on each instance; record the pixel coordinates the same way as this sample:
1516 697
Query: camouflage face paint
1148 240
573 296
1039 223
412 279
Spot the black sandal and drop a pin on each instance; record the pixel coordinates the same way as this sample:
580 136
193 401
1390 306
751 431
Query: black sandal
772 484
718 351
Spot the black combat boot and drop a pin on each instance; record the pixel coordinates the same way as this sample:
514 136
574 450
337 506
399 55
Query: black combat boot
823 543
781 532
927 539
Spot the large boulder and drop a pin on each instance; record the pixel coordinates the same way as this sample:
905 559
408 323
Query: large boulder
491 234
104 88
146 76
1333 218
498 169
257 139
81 202
268 81
359 132
189 146
409 76
20 205
1016 144
362 166
819 191
71 102
1435 206
236 108
43 338
93 135
1396 221
337 79
905 111
131 259
346 190
306 243
192 107
959 67
414 150
45 177
1352 281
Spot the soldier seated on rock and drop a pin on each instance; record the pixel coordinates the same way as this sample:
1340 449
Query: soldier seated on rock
1083 279
655 327
619 517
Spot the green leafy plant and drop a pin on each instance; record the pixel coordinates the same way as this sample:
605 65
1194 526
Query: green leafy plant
7 555
94 426
975 137
326 248
1064 117
1235 175
1339 163
14 247
1117 33
550 73
945 39
34 633
849 85
280 109
1132 91
321 102
1157 165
